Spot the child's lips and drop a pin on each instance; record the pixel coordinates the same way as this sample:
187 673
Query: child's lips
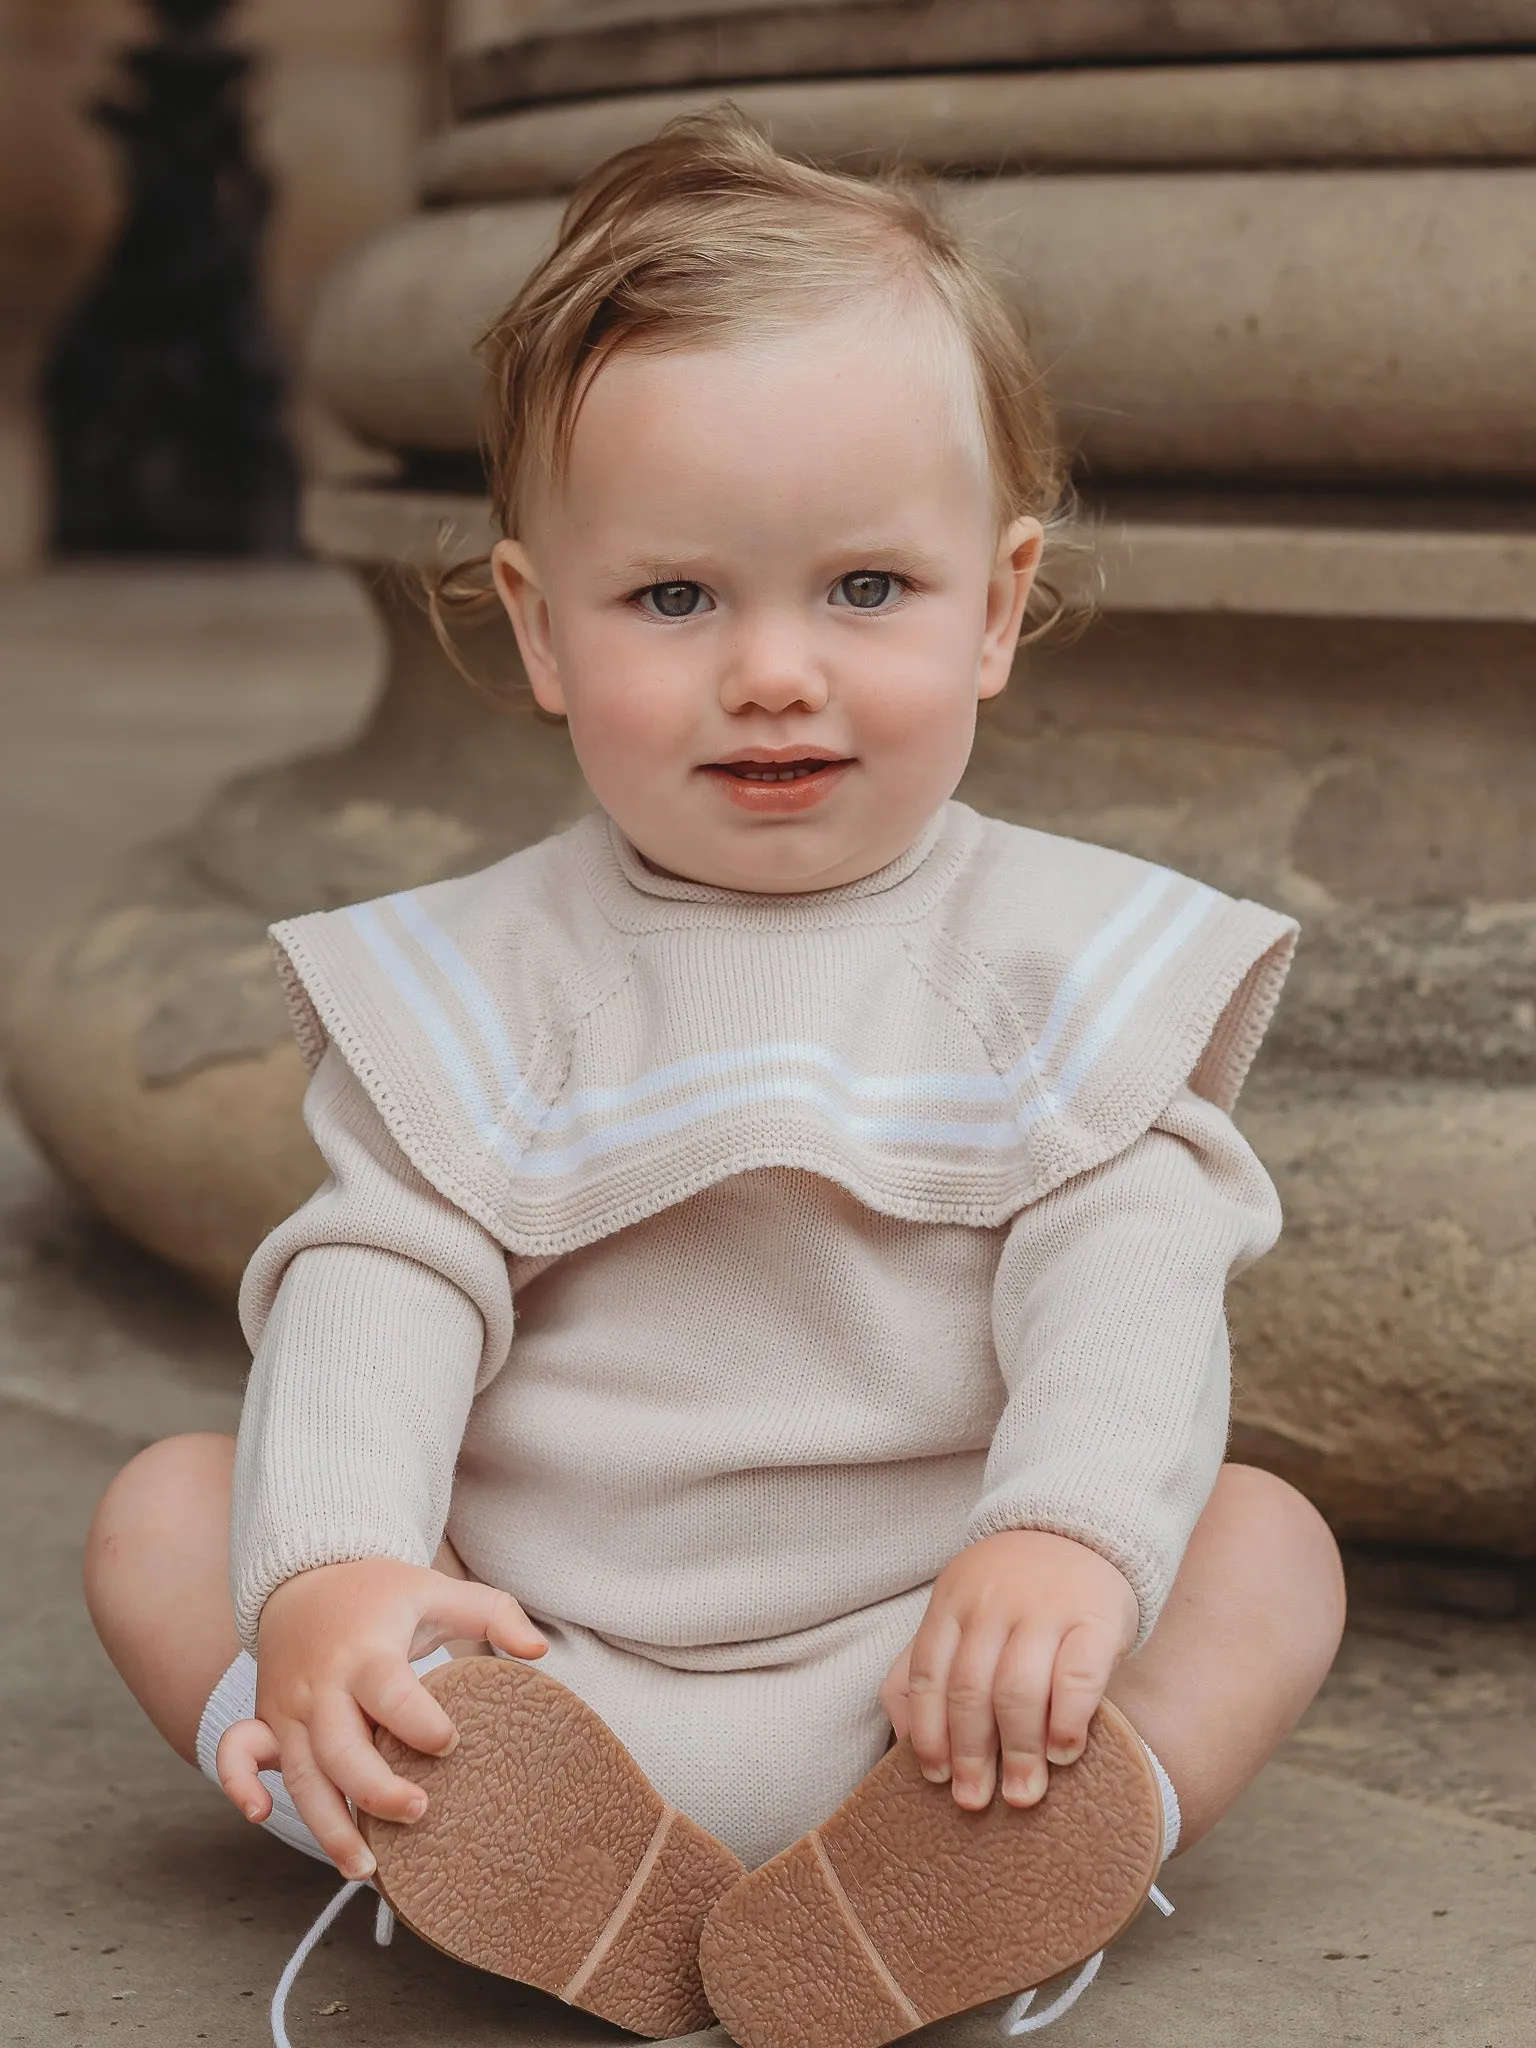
777 788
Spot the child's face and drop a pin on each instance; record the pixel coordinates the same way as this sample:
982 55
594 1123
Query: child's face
768 596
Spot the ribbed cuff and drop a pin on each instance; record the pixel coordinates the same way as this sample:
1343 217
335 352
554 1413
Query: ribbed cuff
1148 1577
254 1579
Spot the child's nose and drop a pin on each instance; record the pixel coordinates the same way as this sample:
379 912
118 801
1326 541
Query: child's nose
772 667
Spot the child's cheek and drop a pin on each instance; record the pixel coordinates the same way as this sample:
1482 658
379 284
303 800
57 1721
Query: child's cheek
921 704
625 694
632 720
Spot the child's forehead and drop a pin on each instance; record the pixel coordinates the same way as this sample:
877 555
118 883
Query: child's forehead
881 369
901 334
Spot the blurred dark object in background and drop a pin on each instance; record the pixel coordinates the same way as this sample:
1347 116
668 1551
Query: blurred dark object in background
164 398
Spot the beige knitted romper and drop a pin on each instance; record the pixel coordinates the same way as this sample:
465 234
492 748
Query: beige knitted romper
837 1231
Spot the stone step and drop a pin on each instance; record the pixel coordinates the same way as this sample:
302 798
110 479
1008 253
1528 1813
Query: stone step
1416 110
521 52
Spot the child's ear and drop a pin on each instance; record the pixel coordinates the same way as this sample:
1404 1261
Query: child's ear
1008 588
518 587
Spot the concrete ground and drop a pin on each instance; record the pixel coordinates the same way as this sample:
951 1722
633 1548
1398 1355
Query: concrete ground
1378 1885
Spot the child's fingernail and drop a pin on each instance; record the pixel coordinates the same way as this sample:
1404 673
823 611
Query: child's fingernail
361 1866
1063 1753
415 1808
936 1774
251 1812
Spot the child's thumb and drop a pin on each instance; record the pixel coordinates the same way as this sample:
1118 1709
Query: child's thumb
485 1613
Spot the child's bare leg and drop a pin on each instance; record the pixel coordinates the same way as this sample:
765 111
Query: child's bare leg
157 1580
1246 1639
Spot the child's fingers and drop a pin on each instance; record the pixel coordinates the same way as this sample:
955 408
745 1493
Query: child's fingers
321 1807
973 1716
1084 1664
479 1613
390 1693
932 1653
1021 1700
244 1749
342 1745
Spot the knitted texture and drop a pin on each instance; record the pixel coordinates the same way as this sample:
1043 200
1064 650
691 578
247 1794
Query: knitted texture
567 1043
787 1337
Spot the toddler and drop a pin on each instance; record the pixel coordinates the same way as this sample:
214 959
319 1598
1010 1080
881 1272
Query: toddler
771 1265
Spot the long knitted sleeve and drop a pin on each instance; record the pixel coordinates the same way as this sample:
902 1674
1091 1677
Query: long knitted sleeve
1111 1334
375 1314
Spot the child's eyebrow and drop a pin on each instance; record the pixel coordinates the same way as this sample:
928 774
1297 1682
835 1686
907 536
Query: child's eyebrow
885 546
870 551
661 565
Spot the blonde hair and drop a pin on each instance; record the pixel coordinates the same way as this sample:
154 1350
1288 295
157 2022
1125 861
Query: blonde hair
705 234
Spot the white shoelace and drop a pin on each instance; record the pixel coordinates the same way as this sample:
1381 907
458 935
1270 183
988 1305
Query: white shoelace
1018 2019
383 1934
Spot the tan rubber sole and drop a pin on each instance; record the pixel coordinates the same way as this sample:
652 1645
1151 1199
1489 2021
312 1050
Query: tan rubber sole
547 1855
902 1908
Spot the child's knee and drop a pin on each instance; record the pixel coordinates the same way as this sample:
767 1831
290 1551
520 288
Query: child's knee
1275 1506
156 1579
151 1508
1294 1537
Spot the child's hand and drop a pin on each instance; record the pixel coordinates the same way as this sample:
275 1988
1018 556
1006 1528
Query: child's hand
1021 1635
333 1662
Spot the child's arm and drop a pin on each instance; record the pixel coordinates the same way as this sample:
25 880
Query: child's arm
375 1313
1111 1336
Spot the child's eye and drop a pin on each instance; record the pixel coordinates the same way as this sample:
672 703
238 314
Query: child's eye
867 590
674 600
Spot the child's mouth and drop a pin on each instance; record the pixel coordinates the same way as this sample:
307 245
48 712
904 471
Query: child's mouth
793 785
773 771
